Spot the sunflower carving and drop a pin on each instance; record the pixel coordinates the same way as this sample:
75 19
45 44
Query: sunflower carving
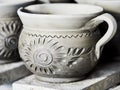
43 55
9 33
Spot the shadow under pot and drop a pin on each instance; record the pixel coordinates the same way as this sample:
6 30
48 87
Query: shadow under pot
56 1
10 28
61 42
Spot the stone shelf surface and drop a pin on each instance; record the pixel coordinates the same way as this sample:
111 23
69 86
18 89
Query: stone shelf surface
103 77
12 71
117 87
7 86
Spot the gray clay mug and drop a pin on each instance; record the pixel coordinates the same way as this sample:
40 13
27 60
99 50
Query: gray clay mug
61 42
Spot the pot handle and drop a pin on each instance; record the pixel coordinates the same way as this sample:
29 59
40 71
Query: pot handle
112 28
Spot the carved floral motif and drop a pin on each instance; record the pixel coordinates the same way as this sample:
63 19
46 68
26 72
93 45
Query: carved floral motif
42 54
9 33
76 54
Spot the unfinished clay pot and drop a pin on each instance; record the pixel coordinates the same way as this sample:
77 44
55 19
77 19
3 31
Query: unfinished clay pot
111 6
60 42
10 28
112 49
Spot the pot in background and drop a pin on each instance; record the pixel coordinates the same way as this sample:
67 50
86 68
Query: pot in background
110 6
10 28
60 42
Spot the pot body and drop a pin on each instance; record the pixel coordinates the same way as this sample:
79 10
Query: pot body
60 42
66 54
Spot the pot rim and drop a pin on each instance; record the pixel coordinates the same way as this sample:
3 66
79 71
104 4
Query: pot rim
21 11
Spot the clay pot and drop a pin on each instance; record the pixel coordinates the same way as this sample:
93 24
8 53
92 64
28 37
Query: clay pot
111 6
10 28
59 42
112 49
